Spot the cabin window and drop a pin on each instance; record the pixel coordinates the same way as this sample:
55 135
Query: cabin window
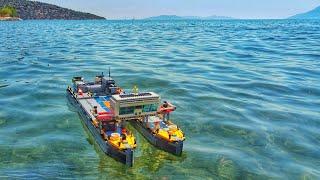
150 107
146 108
126 110
154 107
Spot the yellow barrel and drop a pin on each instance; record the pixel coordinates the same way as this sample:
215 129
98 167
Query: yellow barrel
173 127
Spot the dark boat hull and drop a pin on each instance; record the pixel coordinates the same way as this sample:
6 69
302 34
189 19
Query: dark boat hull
171 147
125 157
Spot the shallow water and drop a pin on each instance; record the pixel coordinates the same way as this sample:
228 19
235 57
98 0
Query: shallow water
247 92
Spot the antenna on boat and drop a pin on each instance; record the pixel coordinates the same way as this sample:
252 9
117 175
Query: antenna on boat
135 90
109 73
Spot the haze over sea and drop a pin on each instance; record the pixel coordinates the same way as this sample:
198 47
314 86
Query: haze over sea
247 95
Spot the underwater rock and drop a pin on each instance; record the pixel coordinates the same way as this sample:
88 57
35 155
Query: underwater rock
226 169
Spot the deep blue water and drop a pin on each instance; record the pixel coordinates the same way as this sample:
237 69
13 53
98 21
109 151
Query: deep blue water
247 92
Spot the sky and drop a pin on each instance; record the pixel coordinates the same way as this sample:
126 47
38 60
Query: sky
244 9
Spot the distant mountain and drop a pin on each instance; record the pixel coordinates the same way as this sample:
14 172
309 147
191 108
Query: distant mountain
207 18
164 17
313 14
174 17
38 10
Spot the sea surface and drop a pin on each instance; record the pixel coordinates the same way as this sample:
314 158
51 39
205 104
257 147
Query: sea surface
247 94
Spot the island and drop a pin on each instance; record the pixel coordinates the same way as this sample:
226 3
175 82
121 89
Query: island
25 9
175 17
313 14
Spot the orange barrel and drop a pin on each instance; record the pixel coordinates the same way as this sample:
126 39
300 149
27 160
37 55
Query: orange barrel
115 137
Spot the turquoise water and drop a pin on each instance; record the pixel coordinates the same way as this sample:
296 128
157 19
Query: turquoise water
247 96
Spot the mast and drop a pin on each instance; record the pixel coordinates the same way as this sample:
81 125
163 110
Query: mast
109 74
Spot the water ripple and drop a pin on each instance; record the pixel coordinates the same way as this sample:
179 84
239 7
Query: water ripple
247 94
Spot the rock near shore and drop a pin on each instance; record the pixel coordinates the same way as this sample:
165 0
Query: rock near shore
38 10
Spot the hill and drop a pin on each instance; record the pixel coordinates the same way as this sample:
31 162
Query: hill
313 14
174 17
38 10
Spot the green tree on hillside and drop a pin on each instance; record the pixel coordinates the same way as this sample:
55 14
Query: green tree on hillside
8 11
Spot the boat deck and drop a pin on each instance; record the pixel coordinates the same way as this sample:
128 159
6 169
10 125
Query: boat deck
102 103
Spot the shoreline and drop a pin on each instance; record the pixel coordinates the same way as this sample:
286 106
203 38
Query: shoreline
10 19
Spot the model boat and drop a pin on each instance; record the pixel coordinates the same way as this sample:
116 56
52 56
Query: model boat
160 131
105 108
